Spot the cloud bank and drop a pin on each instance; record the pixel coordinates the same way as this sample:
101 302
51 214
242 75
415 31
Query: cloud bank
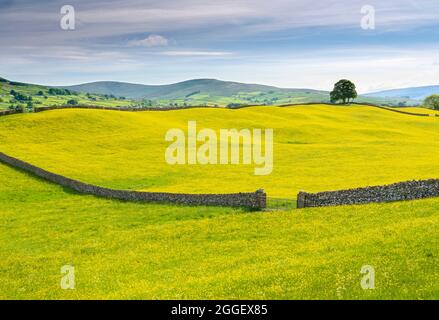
279 42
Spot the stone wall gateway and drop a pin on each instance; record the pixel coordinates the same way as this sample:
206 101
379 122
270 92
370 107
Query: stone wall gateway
410 190
253 200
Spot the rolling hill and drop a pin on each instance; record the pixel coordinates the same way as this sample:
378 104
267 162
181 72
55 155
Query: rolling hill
357 140
123 250
212 91
203 91
39 95
416 93
182 89
209 92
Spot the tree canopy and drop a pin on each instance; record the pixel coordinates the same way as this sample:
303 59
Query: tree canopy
344 90
432 102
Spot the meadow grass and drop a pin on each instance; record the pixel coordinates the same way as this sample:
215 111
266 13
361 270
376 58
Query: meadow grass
150 251
144 251
419 110
316 148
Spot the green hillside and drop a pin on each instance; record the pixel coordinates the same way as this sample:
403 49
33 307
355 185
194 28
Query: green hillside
124 250
31 96
178 90
316 148
205 91
137 251
212 91
200 92
418 93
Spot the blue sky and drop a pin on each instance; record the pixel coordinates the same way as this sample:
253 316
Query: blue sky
294 43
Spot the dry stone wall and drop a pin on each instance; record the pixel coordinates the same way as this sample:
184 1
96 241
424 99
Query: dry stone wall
409 190
7 112
253 200
132 109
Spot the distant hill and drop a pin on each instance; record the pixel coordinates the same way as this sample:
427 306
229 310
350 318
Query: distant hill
24 95
180 90
209 92
416 93
212 91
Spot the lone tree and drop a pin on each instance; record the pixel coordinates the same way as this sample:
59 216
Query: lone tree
344 90
432 102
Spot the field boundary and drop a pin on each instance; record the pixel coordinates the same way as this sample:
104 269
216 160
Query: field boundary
253 200
7 112
129 109
42 109
407 112
363 104
408 190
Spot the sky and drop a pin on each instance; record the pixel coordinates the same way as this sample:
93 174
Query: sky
285 43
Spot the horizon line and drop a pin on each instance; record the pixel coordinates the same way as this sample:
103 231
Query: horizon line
214 79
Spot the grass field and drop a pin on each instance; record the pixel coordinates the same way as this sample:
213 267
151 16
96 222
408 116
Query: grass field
129 250
133 251
316 148
419 110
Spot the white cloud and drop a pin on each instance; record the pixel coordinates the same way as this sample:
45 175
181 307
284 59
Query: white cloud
231 29
194 53
153 40
230 19
372 70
